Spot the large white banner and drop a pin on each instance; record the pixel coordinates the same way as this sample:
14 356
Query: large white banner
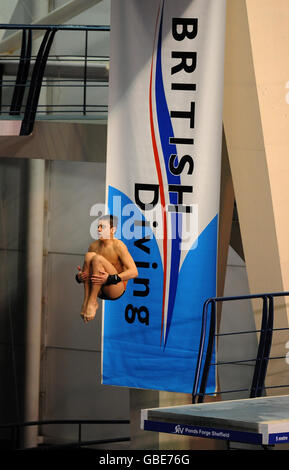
163 183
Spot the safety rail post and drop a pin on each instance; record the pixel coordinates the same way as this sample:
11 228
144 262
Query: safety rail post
28 110
210 346
36 82
201 351
264 346
85 73
261 348
267 347
22 73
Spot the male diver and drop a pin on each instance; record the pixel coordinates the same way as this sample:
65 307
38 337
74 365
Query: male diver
107 267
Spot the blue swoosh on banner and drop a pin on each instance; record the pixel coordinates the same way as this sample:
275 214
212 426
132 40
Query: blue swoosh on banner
132 354
165 132
150 275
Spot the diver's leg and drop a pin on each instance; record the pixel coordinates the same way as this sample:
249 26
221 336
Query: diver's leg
101 264
87 268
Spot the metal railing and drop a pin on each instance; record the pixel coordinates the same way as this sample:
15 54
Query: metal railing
206 348
15 429
30 71
208 341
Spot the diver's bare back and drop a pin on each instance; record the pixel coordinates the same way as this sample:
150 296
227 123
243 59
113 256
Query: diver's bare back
109 251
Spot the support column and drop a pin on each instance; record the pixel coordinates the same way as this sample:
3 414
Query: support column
256 128
34 262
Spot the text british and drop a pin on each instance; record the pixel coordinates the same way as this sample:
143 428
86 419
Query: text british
147 196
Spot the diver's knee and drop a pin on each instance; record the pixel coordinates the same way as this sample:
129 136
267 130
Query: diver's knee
89 256
97 258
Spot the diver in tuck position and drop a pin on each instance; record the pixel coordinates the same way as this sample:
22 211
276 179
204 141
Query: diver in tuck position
107 267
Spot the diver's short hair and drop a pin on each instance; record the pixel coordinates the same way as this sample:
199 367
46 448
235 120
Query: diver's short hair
113 219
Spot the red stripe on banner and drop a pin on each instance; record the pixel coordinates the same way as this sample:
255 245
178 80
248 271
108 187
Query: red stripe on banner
162 193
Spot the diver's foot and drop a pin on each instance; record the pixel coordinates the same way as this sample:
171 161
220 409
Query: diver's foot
83 308
91 309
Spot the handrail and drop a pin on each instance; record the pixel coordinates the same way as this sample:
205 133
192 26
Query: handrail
31 71
65 421
15 428
55 26
264 347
